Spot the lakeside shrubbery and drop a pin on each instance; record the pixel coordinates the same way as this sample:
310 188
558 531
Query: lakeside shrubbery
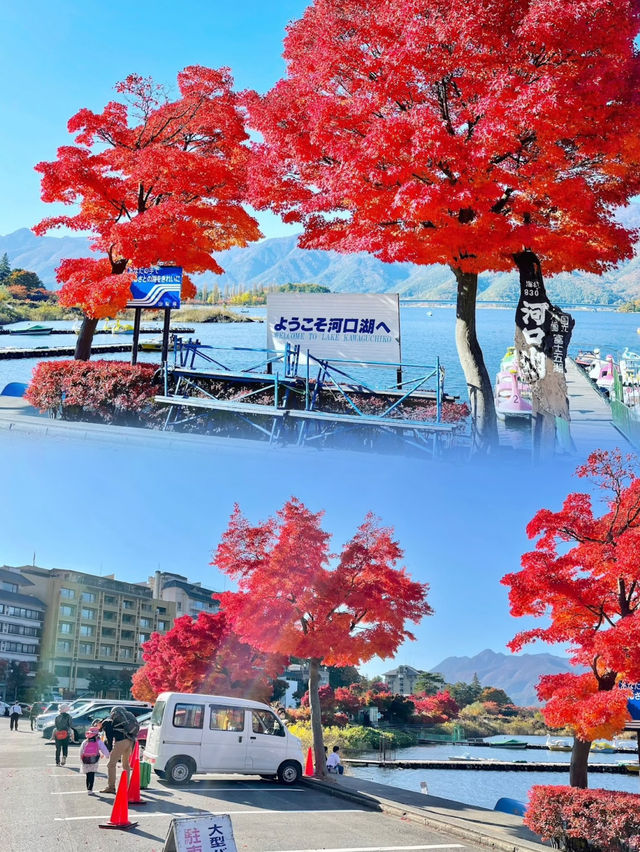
578 820
352 738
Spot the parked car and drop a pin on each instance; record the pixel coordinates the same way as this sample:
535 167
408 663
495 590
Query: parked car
144 728
4 708
48 717
212 733
82 719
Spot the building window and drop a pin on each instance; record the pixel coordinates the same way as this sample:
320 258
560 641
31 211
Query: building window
145 622
109 616
126 653
88 597
62 671
67 593
162 610
145 607
143 637
109 599
63 646
86 630
67 610
128 605
108 631
65 627
162 625
106 650
127 635
88 613
9 587
128 619
86 648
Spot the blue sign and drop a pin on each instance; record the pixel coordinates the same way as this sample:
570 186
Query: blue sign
157 287
633 705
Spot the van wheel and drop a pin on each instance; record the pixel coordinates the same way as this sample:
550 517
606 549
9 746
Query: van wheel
289 772
159 772
179 770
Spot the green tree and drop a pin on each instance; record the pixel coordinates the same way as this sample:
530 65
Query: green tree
498 696
465 693
430 683
343 676
24 278
101 681
42 685
5 268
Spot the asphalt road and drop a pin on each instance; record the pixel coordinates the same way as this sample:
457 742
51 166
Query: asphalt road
47 807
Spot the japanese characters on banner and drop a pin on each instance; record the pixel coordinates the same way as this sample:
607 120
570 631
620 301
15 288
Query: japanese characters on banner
204 833
156 287
347 326
634 702
546 328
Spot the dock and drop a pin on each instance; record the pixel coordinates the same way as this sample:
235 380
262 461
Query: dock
591 416
485 765
62 351
143 330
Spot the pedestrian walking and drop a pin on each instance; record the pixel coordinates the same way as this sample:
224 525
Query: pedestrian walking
120 729
34 711
334 763
15 711
62 733
90 751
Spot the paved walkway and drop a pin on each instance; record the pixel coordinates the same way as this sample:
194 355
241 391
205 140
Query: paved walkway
591 421
477 825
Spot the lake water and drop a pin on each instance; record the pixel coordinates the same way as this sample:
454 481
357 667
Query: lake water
484 787
423 338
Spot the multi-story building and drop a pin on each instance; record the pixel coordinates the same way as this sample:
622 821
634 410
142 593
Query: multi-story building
401 681
95 625
21 620
189 598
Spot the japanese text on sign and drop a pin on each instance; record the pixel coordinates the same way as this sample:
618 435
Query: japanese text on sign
203 833
354 327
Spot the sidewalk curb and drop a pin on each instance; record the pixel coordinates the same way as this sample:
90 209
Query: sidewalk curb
427 819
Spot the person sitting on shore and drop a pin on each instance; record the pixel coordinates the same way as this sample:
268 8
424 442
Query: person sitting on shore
334 763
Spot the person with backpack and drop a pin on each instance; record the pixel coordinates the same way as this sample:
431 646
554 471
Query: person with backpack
62 733
90 752
120 729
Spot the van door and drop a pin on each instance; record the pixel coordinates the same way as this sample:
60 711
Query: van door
224 739
267 742
182 728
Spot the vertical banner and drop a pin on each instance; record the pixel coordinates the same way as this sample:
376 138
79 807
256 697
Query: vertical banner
344 326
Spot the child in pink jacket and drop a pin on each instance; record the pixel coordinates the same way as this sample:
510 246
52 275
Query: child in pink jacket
90 752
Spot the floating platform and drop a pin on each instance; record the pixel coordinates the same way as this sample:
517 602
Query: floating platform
485 765
61 351
178 329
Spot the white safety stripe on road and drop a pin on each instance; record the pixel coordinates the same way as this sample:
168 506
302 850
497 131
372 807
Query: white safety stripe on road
382 848
148 792
257 812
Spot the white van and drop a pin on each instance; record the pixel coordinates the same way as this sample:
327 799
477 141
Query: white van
191 733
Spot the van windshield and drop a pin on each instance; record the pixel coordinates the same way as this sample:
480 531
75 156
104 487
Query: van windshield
158 712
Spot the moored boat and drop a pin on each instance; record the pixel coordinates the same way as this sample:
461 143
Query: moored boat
32 329
603 747
508 744
558 744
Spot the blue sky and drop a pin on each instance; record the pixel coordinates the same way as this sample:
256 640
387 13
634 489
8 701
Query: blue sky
129 510
59 57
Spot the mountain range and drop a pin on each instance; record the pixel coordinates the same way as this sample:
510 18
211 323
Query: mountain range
279 261
517 674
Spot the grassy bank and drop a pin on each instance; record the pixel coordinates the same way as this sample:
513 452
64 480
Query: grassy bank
28 312
353 738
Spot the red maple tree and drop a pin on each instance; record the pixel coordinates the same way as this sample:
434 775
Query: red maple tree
295 598
153 180
456 133
583 578
205 656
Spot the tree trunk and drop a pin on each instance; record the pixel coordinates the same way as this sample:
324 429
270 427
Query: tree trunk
85 339
483 412
316 719
578 771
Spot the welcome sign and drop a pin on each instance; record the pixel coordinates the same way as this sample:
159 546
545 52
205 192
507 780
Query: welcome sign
340 326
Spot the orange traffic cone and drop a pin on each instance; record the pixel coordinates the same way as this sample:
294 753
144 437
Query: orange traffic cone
120 813
135 754
134 783
308 770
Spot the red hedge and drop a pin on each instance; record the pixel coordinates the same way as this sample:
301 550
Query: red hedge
107 391
585 820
